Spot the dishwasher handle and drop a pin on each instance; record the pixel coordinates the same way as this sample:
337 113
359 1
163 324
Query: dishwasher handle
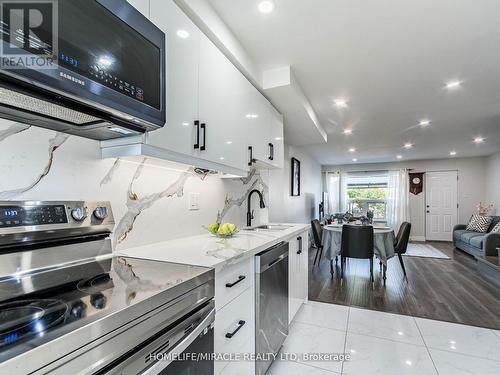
280 258
271 256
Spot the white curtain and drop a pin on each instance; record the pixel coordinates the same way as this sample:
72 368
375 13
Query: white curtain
344 178
398 198
333 191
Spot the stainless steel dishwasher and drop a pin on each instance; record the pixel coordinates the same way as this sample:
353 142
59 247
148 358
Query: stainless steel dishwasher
271 307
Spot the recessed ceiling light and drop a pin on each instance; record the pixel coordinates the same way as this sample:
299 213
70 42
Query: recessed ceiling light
399 157
221 158
352 149
277 139
229 142
347 131
185 123
354 160
453 153
183 34
452 85
478 140
424 123
251 115
266 6
340 103
408 145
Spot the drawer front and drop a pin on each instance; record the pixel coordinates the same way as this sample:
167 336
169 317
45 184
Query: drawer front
229 322
232 281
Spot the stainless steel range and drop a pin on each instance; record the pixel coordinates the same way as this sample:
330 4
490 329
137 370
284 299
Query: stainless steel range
67 306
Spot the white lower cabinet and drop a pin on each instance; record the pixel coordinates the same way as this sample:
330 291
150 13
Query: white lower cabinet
232 281
235 333
297 273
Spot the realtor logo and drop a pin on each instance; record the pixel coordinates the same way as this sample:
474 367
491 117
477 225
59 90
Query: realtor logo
29 34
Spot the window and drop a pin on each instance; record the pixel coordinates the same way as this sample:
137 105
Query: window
368 193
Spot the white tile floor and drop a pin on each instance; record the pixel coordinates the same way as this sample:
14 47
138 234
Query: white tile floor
383 343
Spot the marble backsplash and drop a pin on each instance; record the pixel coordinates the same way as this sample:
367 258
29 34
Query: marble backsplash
149 198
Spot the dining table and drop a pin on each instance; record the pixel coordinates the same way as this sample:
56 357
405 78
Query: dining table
383 241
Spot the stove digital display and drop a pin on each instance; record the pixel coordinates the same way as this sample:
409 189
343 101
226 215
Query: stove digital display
32 215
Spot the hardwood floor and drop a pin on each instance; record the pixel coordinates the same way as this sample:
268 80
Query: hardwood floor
449 290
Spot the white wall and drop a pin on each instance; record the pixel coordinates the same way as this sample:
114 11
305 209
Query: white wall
149 200
471 184
302 209
493 181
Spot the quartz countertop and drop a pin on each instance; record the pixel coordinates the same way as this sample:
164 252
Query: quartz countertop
209 251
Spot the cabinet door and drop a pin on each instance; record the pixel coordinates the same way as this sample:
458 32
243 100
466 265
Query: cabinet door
276 137
183 44
293 304
258 121
223 104
303 268
237 318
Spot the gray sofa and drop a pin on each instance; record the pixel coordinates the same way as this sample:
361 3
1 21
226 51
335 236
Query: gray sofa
477 244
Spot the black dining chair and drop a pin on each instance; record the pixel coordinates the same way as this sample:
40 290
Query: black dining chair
357 242
401 243
317 231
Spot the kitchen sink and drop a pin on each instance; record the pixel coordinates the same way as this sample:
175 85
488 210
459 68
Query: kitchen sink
270 227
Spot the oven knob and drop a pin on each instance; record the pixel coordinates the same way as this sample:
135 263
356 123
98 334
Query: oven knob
79 213
101 213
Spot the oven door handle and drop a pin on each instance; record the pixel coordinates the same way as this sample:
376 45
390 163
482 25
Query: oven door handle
182 345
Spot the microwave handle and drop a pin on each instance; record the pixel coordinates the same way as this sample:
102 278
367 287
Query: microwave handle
183 345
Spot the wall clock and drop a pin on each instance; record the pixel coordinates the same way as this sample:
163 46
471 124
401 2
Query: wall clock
416 183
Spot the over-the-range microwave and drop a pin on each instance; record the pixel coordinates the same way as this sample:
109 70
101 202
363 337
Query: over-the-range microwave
108 80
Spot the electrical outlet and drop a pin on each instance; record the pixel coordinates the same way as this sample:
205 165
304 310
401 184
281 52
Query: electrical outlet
194 201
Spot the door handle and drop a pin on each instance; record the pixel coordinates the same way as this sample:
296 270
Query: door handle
197 144
204 128
300 244
240 279
271 151
241 323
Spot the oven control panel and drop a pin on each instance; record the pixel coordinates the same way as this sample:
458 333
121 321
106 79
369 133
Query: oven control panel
18 216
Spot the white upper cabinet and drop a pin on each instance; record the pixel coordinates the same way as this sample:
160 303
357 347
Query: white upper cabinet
183 48
223 97
258 120
214 114
276 141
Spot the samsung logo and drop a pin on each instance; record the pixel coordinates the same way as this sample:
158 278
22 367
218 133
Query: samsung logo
71 78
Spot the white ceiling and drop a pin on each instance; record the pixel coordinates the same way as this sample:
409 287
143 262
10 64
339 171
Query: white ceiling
390 59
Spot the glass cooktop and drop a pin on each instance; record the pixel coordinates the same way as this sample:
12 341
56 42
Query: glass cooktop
90 291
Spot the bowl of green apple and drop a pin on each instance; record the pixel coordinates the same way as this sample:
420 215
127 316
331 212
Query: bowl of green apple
225 230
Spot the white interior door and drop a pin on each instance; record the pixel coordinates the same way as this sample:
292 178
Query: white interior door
441 205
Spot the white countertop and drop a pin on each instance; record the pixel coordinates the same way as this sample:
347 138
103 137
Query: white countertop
209 251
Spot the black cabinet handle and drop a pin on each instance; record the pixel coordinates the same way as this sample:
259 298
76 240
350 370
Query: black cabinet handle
241 323
300 245
197 144
240 279
250 156
204 128
271 151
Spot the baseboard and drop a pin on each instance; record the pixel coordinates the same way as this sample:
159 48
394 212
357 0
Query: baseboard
417 238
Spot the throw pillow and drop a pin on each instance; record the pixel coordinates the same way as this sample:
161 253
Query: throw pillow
479 223
496 228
